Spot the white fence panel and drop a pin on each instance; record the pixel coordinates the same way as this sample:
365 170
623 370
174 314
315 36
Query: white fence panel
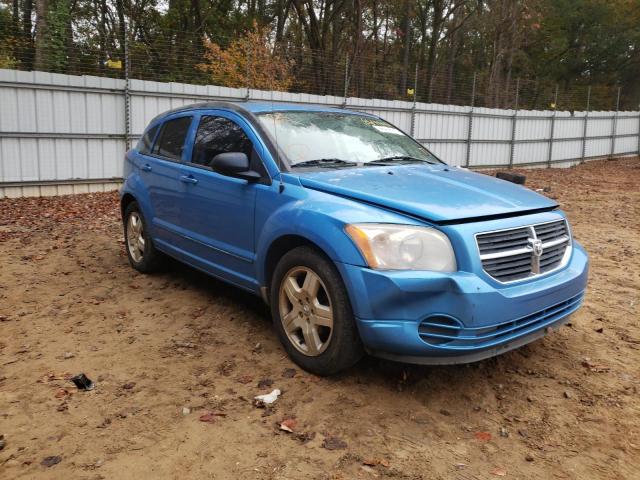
455 153
531 153
67 134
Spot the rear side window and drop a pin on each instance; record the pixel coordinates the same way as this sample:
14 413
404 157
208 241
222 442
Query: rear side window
219 135
144 146
170 143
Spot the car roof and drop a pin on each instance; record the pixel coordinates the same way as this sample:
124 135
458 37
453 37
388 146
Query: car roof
249 108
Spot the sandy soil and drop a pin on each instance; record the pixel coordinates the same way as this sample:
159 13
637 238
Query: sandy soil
564 407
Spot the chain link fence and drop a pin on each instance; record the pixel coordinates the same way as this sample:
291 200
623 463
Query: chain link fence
183 57
67 118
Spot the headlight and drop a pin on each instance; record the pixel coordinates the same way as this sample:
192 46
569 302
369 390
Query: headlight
403 247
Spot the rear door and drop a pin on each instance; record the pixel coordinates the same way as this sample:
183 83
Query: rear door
219 210
160 171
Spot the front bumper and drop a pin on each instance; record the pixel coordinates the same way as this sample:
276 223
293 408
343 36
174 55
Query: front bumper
438 318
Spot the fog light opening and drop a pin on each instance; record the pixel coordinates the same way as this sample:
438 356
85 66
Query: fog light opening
439 330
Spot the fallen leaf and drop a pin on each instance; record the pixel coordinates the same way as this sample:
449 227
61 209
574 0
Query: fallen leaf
210 417
305 437
334 443
51 461
483 436
289 373
595 368
373 462
265 382
63 392
499 471
198 312
288 425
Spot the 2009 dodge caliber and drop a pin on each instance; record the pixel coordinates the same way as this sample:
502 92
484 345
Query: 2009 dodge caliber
358 238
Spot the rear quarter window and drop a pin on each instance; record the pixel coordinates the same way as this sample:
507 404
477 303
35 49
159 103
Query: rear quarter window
172 138
145 143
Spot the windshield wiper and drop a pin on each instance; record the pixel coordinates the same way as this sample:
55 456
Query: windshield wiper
324 162
399 158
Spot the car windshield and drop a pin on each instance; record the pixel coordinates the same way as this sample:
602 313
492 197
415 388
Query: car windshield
333 139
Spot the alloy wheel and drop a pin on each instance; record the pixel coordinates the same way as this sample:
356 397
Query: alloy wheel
305 311
135 237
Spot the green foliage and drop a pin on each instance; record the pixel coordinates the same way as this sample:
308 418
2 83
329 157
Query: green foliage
379 44
58 31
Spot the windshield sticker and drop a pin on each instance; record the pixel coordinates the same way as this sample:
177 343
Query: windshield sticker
385 129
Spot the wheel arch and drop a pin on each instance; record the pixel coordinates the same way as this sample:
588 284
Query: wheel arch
277 249
126 200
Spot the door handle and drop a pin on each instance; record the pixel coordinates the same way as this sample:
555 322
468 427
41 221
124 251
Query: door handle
146 167
188 179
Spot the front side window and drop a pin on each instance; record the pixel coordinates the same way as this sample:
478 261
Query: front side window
219 135
306 136
172 137
144 146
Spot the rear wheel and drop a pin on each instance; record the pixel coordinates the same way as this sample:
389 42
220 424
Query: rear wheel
312 313
141 252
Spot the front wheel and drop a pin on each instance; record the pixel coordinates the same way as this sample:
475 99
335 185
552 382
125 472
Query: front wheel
312 313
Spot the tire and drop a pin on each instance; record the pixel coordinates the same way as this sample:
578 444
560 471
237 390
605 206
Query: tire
143 257
512 177
311 343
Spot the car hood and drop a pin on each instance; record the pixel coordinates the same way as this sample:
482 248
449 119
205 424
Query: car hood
438 193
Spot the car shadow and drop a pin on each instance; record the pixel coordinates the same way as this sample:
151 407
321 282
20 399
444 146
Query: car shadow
216 289
370 370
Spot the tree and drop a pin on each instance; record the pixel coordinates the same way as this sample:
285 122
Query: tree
247 62
376 43
42 22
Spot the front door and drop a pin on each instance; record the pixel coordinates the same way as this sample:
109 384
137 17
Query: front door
218 211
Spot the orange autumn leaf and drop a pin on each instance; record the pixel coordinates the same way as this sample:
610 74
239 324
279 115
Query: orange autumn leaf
483 436
248 62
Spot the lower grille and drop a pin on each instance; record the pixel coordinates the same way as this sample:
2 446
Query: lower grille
523 252
442 332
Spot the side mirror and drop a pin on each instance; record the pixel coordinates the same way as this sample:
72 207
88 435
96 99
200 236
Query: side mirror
234 164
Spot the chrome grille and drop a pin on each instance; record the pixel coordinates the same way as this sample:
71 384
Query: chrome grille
523 252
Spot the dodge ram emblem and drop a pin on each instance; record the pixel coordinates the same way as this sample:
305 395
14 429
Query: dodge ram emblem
536 246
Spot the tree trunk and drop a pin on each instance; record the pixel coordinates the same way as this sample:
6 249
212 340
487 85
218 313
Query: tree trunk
436 27
42 13
282 12
102 31
122 27
15 17
406 47
27 56
451 64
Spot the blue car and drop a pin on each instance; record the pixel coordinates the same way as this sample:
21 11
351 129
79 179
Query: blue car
359 238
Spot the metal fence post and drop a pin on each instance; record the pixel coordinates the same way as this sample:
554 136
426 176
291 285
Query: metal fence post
346 80
415 96
614 127
553 127
470 121
584 126
127 93
639 132
514 119
247 97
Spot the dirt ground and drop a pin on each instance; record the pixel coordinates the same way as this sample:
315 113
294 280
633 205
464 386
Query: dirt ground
166 349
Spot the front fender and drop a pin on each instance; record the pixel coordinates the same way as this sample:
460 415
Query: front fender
315 226
317 217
